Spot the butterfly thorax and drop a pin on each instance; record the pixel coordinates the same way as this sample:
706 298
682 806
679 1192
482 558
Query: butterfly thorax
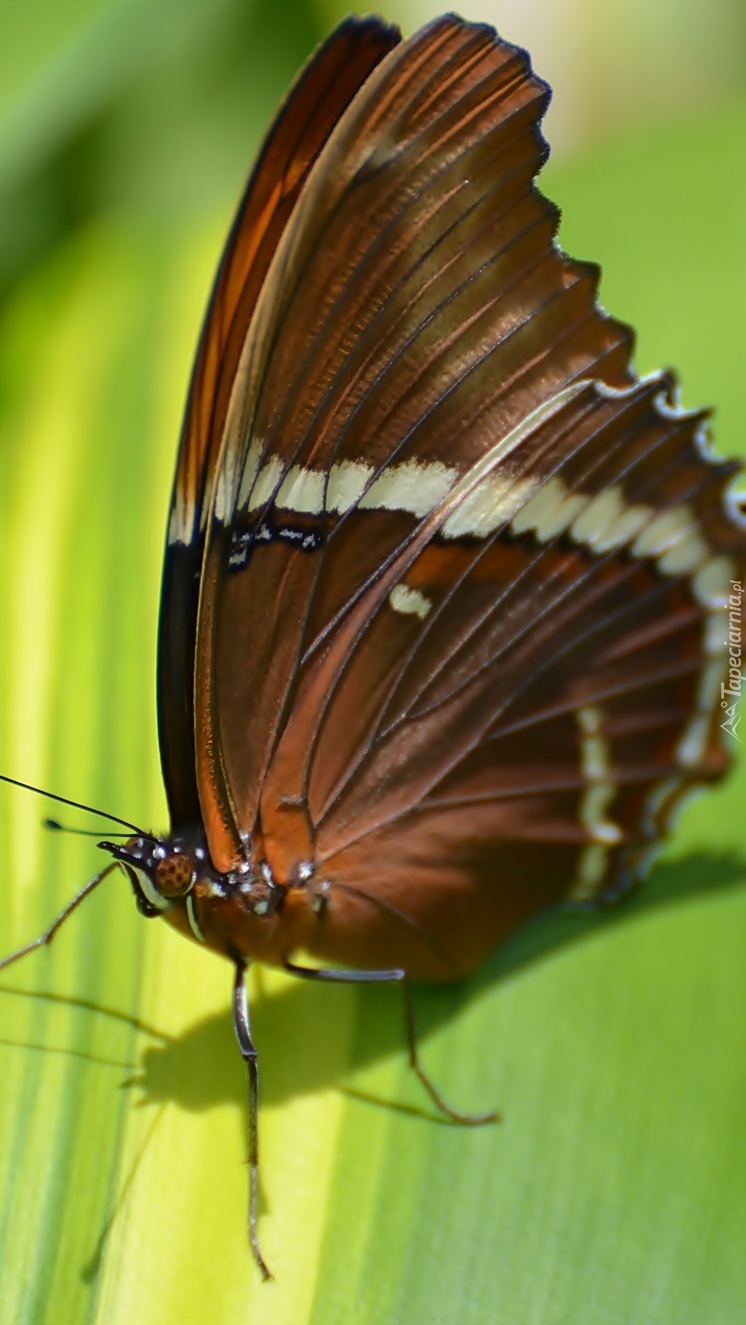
240 912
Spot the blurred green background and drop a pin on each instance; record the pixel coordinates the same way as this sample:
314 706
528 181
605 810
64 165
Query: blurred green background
616 1189
153 108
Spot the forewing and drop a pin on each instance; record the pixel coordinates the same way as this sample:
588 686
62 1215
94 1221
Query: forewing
313 106
416 310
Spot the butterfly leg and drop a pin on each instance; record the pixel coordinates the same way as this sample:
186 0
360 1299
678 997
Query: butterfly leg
242 1027
400 977
465 1119
49 934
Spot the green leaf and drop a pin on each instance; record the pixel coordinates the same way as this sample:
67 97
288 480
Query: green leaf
146 107
615 1189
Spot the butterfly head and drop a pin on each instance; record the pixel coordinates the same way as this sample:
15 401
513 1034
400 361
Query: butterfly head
161 870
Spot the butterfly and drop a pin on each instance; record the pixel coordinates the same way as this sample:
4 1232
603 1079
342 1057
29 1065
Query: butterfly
443 622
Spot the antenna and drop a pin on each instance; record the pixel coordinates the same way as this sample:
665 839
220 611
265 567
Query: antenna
76 805
55 826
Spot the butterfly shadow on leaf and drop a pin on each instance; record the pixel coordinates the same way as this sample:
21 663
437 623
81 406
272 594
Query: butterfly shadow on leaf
311 1037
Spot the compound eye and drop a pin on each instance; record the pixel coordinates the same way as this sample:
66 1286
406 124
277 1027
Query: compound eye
174 875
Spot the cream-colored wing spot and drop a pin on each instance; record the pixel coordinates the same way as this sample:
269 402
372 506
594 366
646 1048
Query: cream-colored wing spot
409 602
595 762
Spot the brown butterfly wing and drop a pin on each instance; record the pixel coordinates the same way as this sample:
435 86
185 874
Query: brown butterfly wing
517 726
415 308
311 110
435 649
